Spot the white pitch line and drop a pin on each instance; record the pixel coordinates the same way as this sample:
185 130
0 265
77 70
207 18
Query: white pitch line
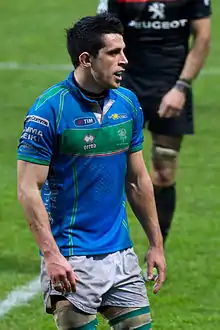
35 67
20 296
214 71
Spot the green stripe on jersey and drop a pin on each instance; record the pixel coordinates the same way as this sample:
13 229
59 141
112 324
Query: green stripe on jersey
33 160
75 205
97 141
48 94
126 98
61 104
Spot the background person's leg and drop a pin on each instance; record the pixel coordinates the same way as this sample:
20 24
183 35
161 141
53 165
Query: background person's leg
165 151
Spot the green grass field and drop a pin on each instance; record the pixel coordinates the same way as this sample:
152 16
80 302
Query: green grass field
33 33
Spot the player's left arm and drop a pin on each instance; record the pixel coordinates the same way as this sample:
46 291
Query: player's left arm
140 195
173 102
201 29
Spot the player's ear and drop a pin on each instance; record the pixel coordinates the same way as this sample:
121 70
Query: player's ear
85 59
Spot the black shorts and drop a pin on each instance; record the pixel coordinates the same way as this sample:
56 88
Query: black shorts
175 126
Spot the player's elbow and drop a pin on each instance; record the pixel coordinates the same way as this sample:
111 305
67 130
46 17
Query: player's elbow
141 185
21 192
204 42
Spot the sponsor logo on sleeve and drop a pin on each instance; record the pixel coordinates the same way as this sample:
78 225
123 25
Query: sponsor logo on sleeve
37 119
27 149
32 134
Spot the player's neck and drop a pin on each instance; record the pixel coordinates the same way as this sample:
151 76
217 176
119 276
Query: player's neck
86 82
91 95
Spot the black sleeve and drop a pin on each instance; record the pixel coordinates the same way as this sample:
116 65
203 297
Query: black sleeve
200 9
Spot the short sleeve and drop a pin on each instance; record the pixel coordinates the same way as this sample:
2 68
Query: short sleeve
200 9
137 131
37 140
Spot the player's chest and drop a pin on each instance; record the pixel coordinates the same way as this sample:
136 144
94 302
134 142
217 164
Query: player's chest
146 10
85 133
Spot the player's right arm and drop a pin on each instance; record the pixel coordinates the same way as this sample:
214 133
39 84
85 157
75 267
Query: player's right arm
34 155
31 178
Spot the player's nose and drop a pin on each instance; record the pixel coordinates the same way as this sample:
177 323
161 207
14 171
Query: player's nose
123 59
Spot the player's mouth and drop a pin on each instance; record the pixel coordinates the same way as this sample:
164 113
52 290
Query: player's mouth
118 75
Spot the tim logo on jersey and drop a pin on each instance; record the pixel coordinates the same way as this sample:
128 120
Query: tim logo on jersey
86 121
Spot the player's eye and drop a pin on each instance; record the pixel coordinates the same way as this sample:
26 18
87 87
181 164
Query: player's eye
114 52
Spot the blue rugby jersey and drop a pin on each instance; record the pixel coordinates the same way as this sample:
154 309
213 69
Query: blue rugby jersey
84 193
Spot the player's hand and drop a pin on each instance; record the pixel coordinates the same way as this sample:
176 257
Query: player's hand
61 274
155 258
172 103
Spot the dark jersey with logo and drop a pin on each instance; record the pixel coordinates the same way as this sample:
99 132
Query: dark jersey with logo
156 35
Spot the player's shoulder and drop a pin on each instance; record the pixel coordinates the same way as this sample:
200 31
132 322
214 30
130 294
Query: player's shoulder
126 94
51 95
129 101
49 101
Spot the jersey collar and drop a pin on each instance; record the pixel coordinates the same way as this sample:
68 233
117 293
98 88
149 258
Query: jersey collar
77 91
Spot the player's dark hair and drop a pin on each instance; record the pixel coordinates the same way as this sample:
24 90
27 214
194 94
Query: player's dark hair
86 35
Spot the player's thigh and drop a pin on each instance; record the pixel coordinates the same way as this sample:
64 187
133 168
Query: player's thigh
150 110
174 126
121 318
168 142
90 272
68 317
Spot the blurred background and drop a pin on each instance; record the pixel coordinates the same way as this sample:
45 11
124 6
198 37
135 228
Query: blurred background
33 56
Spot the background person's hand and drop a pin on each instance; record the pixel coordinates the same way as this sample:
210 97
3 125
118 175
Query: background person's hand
172 103
61 274
155 258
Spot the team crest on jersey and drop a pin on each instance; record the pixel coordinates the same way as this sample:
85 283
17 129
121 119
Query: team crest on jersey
122 134
157 10
84 121
116 116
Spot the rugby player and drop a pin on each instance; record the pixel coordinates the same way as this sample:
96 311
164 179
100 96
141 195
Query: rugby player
161 68
79 156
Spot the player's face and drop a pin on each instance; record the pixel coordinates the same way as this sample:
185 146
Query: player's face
108 66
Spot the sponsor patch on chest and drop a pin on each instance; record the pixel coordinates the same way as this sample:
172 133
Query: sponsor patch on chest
84 121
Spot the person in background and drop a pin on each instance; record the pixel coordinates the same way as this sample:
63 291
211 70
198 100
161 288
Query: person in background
161 69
